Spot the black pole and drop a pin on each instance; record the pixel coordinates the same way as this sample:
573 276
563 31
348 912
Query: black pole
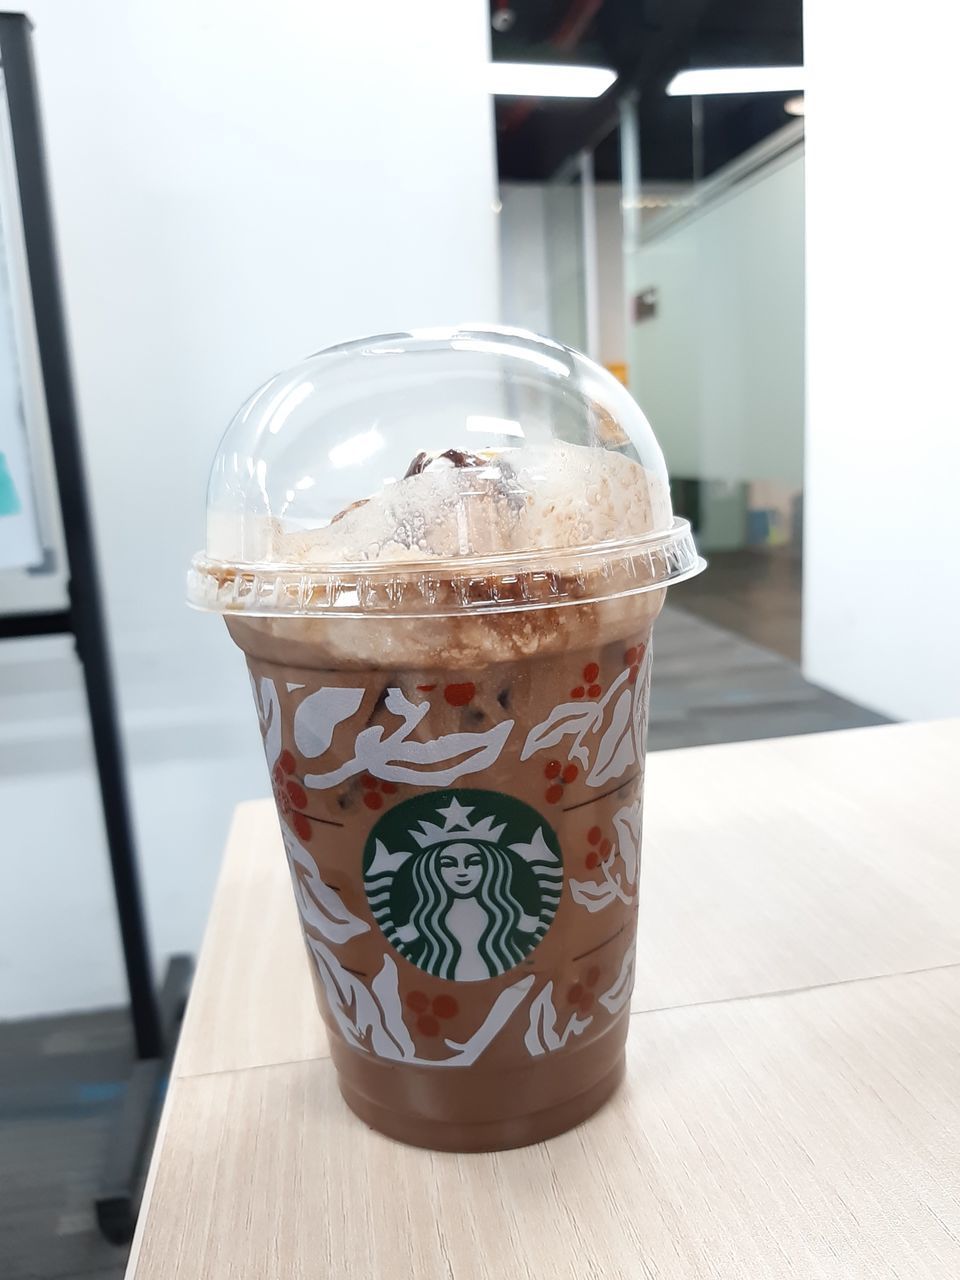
86 608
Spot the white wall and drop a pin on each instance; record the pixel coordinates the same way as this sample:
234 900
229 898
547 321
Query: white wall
236 185
881 563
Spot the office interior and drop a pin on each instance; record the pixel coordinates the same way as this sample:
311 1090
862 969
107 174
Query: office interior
235 186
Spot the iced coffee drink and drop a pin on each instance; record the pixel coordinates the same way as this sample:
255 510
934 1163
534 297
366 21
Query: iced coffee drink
450 659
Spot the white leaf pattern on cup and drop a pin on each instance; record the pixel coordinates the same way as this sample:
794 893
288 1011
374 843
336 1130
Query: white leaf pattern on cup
373 1023
371 1018
437 761
268 713
595 895
504 1006
320 906
542 1035
618 995
569 719
386 991
616 751
640 703
318 715
628 824
579 720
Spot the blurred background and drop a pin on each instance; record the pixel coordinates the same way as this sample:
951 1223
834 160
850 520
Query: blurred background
763 252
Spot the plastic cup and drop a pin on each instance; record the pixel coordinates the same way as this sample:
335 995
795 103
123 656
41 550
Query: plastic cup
442 555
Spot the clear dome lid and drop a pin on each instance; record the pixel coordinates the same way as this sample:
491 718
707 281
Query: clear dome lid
373 473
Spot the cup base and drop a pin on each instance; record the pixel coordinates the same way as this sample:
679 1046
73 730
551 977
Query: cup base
486 1135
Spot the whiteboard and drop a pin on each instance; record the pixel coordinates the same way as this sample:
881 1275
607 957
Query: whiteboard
20 542
30 532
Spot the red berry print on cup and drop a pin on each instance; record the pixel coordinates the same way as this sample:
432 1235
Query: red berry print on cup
459 695
632 658
601 850
559 776
374 789
427 1025
590 687
445 1007
579 995
552 771
290 795
371 791
594 836
417 1001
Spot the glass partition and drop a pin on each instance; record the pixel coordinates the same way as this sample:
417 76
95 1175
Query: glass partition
565 263
716 348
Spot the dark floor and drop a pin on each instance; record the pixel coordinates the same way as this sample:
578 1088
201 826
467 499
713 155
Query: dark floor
710 685
60 1077
755 594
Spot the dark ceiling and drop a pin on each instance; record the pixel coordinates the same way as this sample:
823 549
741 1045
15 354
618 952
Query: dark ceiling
646 42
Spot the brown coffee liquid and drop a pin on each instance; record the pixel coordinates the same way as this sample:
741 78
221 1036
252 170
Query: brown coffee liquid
465 852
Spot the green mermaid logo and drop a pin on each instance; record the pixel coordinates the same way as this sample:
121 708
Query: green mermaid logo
471 896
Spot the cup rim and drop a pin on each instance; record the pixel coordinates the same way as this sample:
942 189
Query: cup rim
498 583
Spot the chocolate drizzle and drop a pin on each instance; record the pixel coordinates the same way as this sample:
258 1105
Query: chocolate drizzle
490 480
362 502
458 457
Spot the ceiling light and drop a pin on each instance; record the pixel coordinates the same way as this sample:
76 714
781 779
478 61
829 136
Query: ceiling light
547 80
710 80
503 18
795 106
654 202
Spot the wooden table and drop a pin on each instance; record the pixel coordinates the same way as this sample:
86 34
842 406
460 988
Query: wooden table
792 1106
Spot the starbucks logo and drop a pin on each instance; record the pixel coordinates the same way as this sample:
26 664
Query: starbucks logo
463 883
